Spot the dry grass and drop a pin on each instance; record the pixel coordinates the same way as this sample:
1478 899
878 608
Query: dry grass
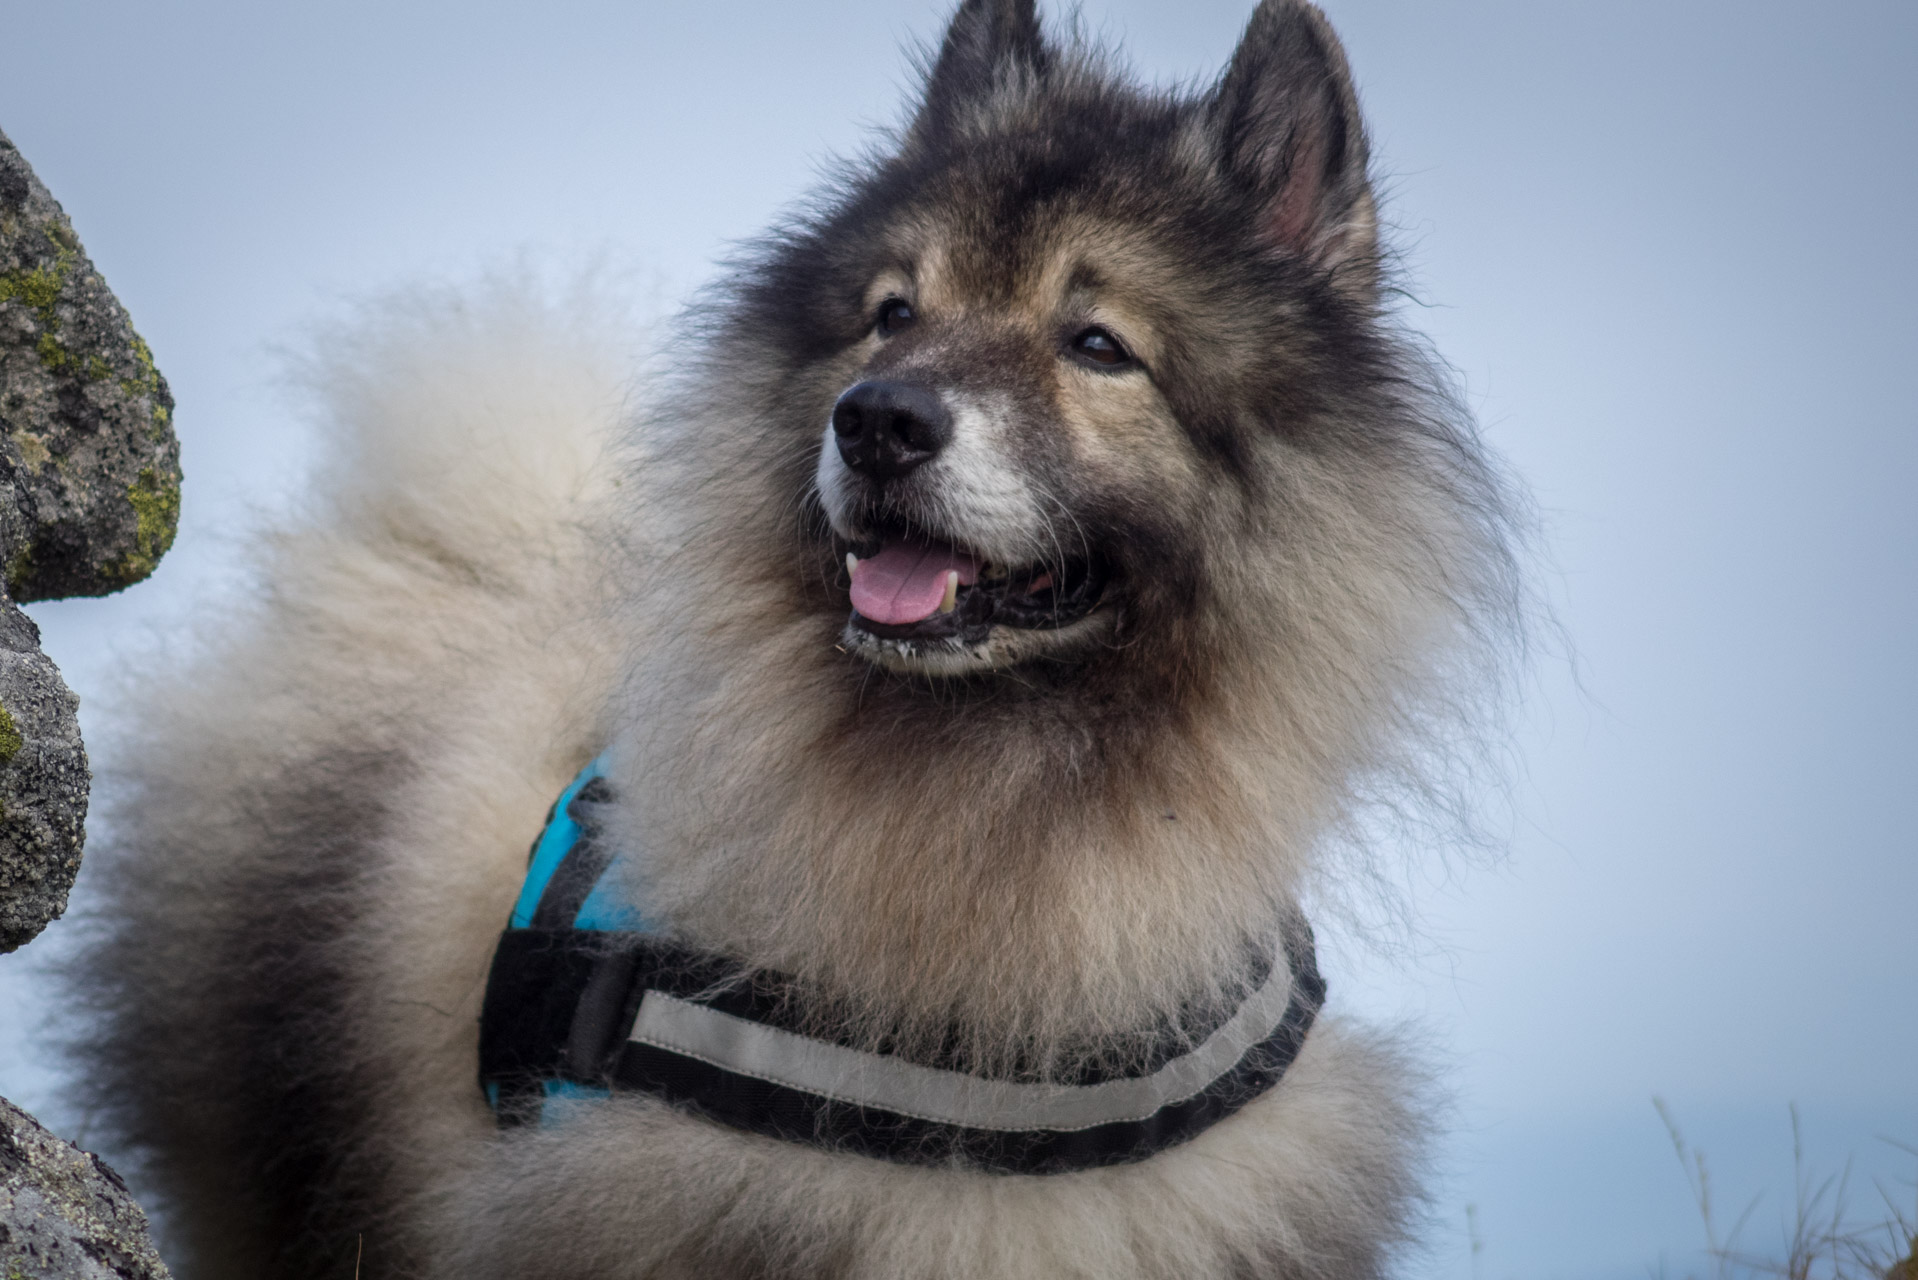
1824 1241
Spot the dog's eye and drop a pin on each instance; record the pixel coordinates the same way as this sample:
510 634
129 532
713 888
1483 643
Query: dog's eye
895 314
1101 348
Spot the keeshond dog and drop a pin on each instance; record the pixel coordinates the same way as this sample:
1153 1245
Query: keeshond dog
958 659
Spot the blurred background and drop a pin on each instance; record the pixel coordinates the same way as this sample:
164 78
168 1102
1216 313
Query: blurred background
1669 247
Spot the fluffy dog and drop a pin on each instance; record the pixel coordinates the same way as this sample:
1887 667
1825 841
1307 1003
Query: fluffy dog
989 617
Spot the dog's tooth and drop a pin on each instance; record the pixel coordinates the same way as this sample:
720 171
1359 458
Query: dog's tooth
852 562
951 601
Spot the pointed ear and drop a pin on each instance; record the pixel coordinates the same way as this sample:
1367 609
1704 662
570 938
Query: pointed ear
989 42
1287 121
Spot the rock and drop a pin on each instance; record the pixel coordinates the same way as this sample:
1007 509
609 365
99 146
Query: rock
86 421
43 784
65 1213
89 499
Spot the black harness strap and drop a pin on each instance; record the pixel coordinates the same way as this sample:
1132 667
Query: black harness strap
570 1007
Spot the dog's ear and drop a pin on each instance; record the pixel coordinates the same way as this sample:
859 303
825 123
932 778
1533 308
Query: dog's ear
1286 117
989 43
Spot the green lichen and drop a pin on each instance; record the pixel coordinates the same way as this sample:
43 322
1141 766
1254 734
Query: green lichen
143 356
156 505
147 383
19 571
33 449
40 290
10 739
54 356
40 287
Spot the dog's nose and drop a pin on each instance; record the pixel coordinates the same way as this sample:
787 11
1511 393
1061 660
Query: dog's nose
885 429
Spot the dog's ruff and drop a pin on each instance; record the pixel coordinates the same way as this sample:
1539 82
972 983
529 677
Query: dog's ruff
1228 564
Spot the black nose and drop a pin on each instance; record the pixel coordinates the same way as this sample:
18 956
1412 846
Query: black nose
886 429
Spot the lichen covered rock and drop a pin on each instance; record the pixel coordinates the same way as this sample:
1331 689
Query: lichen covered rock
43 784
86 421
89 499
64 1214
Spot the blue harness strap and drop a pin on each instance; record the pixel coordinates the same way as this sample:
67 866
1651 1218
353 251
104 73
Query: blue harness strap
556 840
566 890
566 884
587 996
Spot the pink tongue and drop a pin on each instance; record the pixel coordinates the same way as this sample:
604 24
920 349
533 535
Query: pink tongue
906 581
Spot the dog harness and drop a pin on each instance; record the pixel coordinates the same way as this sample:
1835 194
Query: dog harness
588 997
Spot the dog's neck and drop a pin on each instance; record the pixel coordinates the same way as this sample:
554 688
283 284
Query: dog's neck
1034 887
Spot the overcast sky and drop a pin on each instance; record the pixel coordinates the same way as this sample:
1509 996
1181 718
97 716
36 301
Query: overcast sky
1669 247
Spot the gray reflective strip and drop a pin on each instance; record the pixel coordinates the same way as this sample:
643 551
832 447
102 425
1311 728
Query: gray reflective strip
949 1097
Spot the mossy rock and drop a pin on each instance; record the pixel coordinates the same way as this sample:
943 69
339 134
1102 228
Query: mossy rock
43 784
86 420
65 1214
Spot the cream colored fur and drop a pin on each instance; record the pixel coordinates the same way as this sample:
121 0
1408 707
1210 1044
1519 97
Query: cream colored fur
444 608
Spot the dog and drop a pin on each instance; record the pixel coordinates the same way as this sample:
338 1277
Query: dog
975 637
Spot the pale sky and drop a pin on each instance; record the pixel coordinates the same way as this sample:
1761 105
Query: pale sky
1669 247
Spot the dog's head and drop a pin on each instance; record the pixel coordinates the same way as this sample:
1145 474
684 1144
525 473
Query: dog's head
1070 314
1056 533
1087 390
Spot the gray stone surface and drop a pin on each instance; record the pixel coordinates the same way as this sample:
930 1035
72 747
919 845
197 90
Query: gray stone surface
89 498
43 783
86 422
64 1213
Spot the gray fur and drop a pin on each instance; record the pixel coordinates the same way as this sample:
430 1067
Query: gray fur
1048 848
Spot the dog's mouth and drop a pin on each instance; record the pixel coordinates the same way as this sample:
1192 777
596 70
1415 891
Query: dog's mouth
907 586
